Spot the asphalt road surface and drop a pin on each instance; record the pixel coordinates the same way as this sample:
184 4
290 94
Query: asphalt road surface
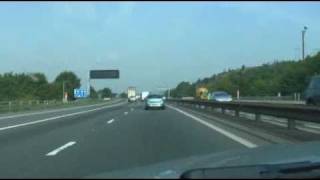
85 141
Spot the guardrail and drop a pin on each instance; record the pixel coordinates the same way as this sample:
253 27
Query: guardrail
294 97
273 101
16 106
291 112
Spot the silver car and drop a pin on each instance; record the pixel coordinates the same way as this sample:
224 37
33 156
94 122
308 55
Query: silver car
220 96
154 101
312 93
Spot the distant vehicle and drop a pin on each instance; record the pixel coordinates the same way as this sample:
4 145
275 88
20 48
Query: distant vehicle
220 96
154 101
131 94
312 93
106 99
132 99
144 94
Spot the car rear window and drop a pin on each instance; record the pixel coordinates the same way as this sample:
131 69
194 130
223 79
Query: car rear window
154 96
220 94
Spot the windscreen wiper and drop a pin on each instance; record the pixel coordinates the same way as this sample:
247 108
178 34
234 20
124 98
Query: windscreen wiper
301 170
304 169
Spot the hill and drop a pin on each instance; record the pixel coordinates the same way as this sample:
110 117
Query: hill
286 77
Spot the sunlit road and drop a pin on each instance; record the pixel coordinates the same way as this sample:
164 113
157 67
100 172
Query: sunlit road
91 140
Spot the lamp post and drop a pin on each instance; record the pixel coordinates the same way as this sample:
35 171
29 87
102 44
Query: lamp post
303 35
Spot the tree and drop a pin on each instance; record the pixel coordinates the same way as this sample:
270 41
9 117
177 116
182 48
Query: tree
22 86
93 93
70 81
184 89
41 86
38 78
54 91
123 95
105 92
287 77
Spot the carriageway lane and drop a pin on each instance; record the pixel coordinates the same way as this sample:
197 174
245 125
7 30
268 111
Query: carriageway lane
105 140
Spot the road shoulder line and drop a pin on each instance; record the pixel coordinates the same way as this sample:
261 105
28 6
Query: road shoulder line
54 110
220 130
57 117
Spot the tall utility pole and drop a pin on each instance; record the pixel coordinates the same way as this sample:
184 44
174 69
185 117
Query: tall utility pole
303 34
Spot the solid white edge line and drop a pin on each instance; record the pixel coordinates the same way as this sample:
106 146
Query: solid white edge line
51 111
220 130
56 151
57 117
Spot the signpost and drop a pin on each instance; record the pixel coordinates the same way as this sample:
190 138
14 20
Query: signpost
102 74
80 93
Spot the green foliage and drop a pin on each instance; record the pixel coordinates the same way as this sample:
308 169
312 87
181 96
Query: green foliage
35 86
123 95
105 93
70 80
183 89
287 77
93 93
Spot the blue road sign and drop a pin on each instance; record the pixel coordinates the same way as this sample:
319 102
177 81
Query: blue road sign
80 93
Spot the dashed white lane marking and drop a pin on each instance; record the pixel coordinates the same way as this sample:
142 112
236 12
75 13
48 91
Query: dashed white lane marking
110 121
56 151
220 130
125 113
57 117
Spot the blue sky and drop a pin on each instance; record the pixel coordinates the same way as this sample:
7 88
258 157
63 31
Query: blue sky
153 44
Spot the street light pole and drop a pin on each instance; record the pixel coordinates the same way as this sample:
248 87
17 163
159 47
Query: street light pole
303 35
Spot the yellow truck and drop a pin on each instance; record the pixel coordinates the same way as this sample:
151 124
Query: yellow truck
202 93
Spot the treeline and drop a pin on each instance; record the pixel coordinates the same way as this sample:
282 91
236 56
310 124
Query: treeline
35 86
285 77
102 93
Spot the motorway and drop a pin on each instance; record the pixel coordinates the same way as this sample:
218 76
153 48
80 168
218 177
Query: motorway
82 142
